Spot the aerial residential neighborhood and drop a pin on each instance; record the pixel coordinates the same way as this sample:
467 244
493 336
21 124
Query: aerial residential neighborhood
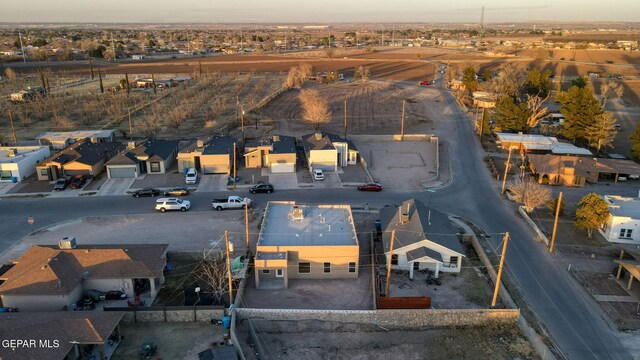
242 181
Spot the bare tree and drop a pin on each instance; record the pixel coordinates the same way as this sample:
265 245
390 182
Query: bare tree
529 193
315 108
24 115
298 74
535 111
214 274
609 89
509 81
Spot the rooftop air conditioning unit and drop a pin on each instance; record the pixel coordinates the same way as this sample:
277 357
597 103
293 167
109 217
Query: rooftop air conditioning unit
12 152
297 213
67 242
199 143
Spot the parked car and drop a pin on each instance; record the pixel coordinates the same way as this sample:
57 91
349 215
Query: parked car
318 174
144 192
177 191
96 295
261 188
192 176
425 82
61 184
115 295
164 204
618 127
232 202
370 187
77 182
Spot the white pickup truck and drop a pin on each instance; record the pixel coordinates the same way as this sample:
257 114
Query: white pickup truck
233 202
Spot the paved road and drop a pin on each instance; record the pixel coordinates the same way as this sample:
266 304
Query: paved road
562 305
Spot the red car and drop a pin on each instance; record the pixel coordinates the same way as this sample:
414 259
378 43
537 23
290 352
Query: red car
77 182
370 187
425 82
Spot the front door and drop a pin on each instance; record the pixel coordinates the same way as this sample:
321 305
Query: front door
196 160
279 273
416 266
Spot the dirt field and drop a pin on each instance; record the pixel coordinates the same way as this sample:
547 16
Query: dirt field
373 107
174 340
325 340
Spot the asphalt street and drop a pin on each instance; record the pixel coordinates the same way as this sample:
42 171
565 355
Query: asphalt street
563 306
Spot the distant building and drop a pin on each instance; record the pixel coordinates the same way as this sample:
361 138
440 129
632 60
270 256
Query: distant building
61 139
19 162
149 156
623 223
305 242
277 153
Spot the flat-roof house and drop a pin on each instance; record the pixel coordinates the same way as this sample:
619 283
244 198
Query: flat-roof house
149 156
328 151
50 278
578 170
61 139
623 223
61 335
483 99
19 162
539 144
424 239
81 158
277 153
305 242
209 157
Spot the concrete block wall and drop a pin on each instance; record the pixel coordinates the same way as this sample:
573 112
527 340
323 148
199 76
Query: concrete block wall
398 319
173 315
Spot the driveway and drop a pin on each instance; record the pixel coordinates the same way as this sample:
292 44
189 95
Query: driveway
284 181
212 182
115 187
331 181
6 186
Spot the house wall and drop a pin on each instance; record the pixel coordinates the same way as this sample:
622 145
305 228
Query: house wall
164 165
613 225
186 160
282 158
326 160
338 256
76 168
253 160
404 264
42 302
23 166
109 284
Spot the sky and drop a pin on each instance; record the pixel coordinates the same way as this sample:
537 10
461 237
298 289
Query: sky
309 11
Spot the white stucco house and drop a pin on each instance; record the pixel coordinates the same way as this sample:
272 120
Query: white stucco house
623 223
424 239
19 162
327 152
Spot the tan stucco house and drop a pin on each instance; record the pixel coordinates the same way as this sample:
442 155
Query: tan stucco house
328 151
578 170
424 239
305 242
209 157
148 156
277 153
81 158
50 278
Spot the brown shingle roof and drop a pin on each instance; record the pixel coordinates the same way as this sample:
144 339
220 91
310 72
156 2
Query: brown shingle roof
48 270
555 164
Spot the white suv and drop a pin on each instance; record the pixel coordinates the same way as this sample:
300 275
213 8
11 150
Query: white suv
191 177
164 204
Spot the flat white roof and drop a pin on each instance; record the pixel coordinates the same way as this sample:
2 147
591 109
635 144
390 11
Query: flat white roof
321 225
541 142
623 206
23 152
79 134
523 138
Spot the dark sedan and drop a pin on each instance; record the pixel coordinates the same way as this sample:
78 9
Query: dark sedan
145 192
370 187
177 191
261 188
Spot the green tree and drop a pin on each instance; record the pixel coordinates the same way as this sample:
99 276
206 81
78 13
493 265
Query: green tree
97 52
580 82
510 116
580 109
538 82
591 213
469 79
602 131
635 143
552 205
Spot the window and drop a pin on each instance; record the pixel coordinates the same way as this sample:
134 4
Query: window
352 267
394 259
304 268
453 261
44 172
265 271
625 233
155 166
5 175
327 268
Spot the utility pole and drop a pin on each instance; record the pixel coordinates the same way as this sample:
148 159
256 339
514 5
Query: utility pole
482 125
234 166
504 252
226 239
101 84
130 125
91 68
237 105
242 121
113 47
555 223
345 119
24 57
506 169
386 290
402 123
13 129
246 220
126 78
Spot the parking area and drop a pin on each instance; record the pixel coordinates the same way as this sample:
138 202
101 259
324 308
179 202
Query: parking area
399 165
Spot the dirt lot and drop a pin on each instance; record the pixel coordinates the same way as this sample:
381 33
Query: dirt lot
325 340
174 340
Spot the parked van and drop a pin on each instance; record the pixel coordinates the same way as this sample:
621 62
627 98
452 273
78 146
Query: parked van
191 177
164 204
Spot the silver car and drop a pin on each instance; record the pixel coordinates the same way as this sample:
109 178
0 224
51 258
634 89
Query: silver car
164 204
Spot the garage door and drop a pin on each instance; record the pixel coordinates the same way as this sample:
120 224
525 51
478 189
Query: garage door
127 172
324 166
283 168
215 169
